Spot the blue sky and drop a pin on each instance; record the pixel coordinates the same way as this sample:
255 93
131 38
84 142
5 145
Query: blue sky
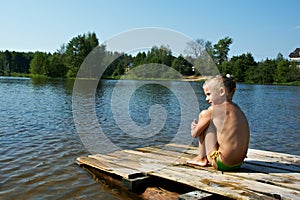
263 28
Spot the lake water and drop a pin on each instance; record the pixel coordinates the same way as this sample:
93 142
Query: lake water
41 136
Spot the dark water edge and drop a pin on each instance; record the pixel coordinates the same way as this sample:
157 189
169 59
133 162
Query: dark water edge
39 141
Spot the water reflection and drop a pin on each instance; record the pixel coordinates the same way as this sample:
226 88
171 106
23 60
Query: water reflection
39 140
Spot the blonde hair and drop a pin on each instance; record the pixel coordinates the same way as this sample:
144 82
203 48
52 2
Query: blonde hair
218 81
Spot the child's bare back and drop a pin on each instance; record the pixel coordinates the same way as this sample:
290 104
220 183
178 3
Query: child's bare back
232 133
222 129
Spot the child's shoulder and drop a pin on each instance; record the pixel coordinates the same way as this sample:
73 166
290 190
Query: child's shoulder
206 113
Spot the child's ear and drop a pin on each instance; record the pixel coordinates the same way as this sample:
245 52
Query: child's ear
222 91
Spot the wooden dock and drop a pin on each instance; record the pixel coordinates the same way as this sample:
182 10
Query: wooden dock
264 175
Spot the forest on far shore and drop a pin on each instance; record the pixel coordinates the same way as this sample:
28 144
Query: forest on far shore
67 60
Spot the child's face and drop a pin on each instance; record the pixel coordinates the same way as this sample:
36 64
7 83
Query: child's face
214 96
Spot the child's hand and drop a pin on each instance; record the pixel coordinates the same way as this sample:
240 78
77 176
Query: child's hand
195 121
194 124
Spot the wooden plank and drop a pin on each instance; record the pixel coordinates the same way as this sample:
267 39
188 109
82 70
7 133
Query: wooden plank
181 146
124 161
275 173
160 157
143 167
205 183
288 180
224 184
136 184
138 155
271 177
270 154
271 160
109 168
159 150
281 180
273 165
252 153
276 176
270 171
195 195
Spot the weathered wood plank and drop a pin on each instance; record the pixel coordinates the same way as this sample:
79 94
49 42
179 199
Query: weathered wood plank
278 176
161 157
263 175
271 160
263 178
248 166
140 165
181 146
140 156
269 171
252 153
159 150
205 183
273 179
273 165
223 184
282 179
109 168
148 167
270 154
195 195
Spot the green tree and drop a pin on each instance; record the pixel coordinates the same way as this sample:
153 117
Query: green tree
267 71
252 75
162 55
182 66
39 63
77 50
221 50
112 67
282 70
139 59
294 72
119 66
240 65
55 66
20 62
8 61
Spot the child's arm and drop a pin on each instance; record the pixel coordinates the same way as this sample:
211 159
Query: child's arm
198 127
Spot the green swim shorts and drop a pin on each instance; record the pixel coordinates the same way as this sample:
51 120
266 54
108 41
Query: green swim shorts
222 167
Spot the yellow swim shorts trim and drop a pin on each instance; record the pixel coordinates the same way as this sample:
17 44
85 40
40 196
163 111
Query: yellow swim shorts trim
221 166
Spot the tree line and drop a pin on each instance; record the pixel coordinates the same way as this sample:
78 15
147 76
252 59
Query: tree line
66 61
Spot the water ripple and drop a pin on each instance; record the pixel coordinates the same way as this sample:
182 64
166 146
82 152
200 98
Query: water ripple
39 143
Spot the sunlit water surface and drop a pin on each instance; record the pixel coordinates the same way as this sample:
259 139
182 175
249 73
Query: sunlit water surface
39 142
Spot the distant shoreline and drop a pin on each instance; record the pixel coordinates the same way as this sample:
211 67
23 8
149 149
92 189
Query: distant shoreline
195 78
184 78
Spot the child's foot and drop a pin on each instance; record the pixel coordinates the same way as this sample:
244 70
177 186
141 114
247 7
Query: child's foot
201 161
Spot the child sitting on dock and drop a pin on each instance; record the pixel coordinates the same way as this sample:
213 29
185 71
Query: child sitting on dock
222 129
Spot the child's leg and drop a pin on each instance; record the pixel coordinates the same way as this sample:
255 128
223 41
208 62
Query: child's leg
201 159
207 144
211 142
